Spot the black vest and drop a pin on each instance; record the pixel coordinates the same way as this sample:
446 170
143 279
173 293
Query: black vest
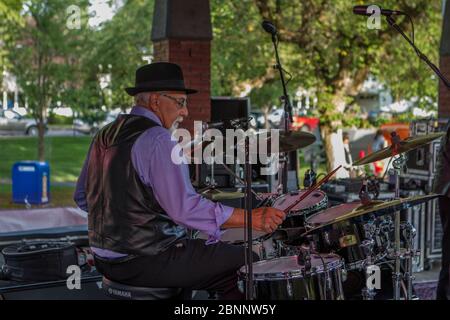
124 215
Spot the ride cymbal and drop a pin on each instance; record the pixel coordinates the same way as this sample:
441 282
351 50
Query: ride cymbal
406 145
352 210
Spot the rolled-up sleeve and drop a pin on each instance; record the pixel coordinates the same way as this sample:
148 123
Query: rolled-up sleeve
171 185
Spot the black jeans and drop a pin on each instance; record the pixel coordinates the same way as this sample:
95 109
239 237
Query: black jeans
190 264
443 290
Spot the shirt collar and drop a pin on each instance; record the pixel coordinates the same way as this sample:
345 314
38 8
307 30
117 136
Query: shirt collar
141 111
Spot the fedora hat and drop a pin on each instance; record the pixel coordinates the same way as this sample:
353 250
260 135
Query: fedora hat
159 76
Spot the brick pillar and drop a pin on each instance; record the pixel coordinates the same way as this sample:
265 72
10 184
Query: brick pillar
182 34
444 92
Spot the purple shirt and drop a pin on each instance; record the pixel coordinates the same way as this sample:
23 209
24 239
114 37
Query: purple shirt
170 183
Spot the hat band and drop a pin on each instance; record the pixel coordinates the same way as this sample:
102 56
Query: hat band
161 83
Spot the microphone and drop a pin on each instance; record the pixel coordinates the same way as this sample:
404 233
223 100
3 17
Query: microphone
269 27
363 11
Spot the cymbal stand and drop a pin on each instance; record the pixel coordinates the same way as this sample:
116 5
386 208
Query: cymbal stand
235 176
210 181
398 164
409 233
370 230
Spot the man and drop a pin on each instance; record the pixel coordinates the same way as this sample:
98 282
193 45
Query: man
442 186
140 203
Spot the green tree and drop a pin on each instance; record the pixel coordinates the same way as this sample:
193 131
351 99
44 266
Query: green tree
117 49
326 48
43 54
9 16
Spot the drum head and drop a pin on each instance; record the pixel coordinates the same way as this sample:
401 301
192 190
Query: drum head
332 213
284 201
288 267
234 235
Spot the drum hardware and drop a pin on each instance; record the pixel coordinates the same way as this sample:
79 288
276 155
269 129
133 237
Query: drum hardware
311 190
367 246
397 151
310 178
212 193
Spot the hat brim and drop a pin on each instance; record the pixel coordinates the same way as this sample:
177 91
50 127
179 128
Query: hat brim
134 91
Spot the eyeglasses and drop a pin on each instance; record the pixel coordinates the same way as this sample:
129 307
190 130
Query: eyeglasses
182 102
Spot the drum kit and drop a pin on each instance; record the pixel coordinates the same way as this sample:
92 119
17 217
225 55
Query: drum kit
318 248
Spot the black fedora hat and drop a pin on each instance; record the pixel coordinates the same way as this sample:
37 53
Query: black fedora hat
159 76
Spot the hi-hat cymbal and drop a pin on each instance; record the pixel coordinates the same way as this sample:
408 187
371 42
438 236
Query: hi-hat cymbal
293 140
347 211
406 145
217 195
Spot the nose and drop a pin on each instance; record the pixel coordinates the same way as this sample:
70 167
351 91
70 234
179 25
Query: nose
184 112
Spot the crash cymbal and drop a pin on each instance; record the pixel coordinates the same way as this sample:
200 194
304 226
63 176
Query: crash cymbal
406 145
217 195
347 211
290 141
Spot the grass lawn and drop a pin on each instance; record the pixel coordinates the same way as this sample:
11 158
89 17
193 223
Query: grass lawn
60 197
65 155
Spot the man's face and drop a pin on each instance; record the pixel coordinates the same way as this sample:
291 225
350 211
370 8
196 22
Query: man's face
170 107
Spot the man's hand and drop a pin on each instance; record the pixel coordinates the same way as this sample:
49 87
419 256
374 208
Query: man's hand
264 219
267 219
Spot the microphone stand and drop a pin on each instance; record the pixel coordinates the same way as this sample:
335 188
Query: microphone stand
248 222
422 57
287 113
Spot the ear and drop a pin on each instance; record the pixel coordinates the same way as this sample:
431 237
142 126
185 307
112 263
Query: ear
154 102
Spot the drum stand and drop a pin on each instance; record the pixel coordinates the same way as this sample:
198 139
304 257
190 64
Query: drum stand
398 164
370 228
368 293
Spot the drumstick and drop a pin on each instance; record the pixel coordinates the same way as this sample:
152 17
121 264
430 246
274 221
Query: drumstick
312 189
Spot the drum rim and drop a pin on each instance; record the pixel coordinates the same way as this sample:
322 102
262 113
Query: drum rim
312 210
295 274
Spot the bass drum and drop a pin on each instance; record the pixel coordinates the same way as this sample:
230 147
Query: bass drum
315 202
284 279
263 244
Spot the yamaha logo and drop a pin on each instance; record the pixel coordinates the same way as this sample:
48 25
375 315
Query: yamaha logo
125 294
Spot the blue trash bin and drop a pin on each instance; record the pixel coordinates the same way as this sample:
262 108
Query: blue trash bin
31 182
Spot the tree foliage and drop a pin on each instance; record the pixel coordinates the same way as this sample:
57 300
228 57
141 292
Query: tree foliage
44 52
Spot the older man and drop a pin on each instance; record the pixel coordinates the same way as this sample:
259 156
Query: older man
140 202
442 186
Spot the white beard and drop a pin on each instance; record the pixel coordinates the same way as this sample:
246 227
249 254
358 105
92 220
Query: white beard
175 124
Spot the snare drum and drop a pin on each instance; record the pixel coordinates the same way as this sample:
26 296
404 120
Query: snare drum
263 245
312 204
284 279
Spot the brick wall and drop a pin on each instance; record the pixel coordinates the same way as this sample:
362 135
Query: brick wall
444 92
194 57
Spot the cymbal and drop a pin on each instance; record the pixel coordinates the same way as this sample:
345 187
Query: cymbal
217 195
293 140
346 211
406 145
289 141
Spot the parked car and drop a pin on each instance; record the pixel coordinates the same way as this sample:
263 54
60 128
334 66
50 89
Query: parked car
12 122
